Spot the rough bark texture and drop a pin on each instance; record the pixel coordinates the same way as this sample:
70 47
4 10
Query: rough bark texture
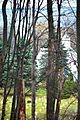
21 113
78 56
50 79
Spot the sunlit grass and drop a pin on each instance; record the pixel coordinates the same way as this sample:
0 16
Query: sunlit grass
41 106
70 104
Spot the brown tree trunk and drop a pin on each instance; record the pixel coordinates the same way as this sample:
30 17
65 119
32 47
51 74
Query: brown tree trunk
21 107
78 55
33 66
59 94
12 115
50 78
58 57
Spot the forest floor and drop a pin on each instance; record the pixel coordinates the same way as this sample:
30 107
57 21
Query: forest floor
68 107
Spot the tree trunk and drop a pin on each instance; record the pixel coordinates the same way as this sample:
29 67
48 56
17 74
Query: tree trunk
33 66
50 78
3 53
12 116
58 57
59 94
78 56
21 107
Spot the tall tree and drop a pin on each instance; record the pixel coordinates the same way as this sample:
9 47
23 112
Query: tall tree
50 78
58 57
78 55
4 47
33 65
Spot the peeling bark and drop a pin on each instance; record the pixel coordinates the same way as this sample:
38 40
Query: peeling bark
21 111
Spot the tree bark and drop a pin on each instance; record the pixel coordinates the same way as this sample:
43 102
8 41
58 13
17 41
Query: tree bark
33 65
78 55
3 53
21 100
58 57
50 78
59 94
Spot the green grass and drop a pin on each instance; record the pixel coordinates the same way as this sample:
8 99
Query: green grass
68 108
41 106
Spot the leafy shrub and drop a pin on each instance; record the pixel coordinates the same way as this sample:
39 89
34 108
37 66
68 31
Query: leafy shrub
69 88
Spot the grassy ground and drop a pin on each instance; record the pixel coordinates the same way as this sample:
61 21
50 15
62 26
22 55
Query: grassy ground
68 106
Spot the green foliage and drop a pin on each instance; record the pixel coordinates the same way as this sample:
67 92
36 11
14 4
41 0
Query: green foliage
44 61
14 58
69 87
41 91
